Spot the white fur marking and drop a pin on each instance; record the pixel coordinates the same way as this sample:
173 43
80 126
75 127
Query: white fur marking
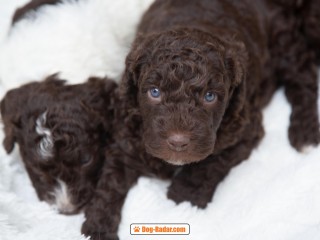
63 198
307 149
46 144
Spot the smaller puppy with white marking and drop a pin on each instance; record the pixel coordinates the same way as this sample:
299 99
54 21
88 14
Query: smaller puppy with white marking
61 131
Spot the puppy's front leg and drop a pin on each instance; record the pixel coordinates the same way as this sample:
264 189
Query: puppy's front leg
297 71
197 182
302 92
103 214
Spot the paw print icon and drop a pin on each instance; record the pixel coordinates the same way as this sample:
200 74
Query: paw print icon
136 229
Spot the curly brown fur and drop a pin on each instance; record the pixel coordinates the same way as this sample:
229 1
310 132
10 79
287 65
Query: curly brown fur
61 131
237 51
126 161
310 13
294 64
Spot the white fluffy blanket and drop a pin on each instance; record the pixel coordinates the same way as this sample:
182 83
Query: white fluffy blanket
275 194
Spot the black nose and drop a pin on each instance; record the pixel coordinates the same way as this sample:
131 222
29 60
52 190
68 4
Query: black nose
178 142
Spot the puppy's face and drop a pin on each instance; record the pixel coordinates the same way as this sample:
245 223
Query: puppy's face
61 136
182 103
63 158
184 85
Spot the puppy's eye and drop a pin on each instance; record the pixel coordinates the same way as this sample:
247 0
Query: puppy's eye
86 159
210 97
154 93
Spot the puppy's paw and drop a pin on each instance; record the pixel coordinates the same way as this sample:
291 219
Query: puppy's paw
304 138
97 234
197 196
308 149
101 236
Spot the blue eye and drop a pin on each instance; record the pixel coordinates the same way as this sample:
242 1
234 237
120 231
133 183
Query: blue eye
155 92
210 96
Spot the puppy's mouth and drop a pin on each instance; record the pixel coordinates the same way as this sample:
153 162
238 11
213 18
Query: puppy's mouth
179 149
178 158
182 159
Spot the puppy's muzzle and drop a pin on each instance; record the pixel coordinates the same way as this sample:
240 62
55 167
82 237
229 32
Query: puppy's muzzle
178 142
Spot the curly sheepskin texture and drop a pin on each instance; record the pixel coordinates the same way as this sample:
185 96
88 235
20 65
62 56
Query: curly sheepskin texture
77 39
274 195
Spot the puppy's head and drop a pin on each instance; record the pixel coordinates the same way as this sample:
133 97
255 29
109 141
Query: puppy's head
182 82
61 132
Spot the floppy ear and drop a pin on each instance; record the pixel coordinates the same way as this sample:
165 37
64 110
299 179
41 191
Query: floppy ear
10 120
237 113
135 61
129 85
12 107
9 139
235 118
236 62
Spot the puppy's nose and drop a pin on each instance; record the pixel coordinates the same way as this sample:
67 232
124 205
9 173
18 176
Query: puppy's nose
178 142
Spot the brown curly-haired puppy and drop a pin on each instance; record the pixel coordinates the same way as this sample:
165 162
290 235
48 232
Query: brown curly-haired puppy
61 131
196 80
